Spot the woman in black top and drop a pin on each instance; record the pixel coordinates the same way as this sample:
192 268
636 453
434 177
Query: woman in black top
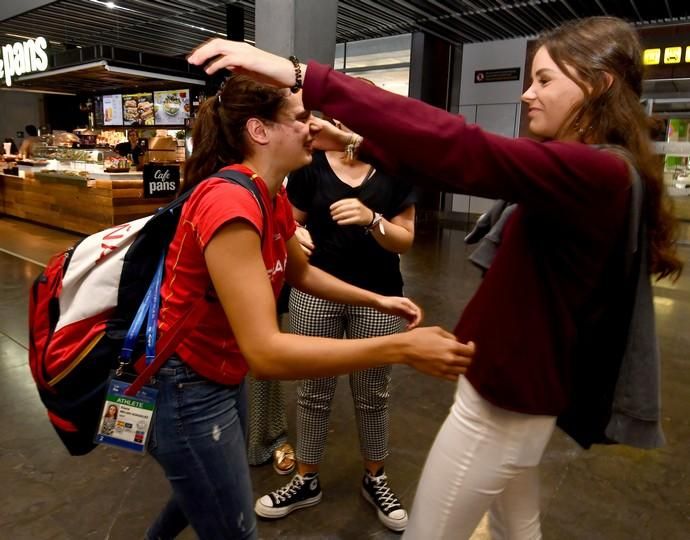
353 222
131 147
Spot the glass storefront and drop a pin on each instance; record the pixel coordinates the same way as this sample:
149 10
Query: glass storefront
384 61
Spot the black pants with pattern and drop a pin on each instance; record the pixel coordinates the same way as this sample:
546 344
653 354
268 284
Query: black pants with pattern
311 316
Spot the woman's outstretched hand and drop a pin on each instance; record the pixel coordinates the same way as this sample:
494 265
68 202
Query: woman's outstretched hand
436 352
240 57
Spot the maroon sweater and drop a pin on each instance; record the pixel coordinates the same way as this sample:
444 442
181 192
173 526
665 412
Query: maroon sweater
560 263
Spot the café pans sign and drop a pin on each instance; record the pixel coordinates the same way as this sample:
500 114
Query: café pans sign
23 57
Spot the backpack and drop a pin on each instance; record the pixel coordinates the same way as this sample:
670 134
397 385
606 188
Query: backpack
84 303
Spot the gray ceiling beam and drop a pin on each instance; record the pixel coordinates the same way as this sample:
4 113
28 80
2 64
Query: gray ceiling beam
437 20
480 13
668 8
567 6
637 12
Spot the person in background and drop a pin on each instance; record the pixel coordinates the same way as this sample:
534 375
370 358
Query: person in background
13 147
224 244
131 148
353 222
550 318
26 149
267 426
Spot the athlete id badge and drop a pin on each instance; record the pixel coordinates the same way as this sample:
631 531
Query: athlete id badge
125 421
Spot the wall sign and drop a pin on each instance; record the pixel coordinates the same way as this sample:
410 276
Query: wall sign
672 55
651 57
161 180
497 75
23 57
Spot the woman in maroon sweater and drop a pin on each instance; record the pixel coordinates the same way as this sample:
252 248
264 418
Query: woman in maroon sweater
540 314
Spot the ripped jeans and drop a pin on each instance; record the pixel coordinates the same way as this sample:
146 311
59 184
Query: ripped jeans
197 438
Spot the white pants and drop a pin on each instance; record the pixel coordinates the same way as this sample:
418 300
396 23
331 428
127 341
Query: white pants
484 458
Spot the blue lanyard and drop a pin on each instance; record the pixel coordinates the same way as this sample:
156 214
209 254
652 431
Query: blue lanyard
150 306
152 325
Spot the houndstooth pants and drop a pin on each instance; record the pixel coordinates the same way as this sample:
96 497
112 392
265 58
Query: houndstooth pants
311 316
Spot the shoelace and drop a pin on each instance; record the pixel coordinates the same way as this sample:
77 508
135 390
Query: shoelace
284 493
385 497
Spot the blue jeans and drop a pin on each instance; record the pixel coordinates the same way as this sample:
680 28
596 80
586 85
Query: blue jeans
197 438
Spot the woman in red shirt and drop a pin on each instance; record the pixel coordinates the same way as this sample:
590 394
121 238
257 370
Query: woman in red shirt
224 243
547 318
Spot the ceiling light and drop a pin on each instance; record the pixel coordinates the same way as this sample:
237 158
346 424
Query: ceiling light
19 36
113 5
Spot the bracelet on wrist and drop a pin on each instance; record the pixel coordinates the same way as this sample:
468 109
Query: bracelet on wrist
298 74
377 220
352 147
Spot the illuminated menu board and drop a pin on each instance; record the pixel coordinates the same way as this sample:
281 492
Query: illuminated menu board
112 110
137 109
171 106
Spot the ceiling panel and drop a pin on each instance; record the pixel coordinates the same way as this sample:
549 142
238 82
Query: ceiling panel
174 27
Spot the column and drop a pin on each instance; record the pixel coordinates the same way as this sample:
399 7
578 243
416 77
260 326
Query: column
431 68
305 28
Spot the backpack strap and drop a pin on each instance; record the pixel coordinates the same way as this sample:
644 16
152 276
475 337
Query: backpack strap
636 228
171 339
236 177
246 182
166 345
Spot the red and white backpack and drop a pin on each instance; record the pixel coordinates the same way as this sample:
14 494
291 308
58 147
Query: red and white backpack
82 306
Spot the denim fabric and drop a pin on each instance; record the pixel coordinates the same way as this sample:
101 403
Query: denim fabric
197 438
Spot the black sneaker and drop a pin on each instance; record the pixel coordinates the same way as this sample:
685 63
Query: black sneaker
375 490
302 491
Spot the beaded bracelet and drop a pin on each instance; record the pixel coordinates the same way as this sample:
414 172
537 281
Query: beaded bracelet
298 75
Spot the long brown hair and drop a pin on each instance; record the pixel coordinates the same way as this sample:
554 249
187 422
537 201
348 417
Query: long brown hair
602 55
218 135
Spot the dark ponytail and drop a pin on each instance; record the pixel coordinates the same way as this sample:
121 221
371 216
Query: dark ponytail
218 135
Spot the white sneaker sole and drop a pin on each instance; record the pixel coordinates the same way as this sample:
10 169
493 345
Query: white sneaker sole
275 513
396 525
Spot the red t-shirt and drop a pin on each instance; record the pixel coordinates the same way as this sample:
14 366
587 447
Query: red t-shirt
210 348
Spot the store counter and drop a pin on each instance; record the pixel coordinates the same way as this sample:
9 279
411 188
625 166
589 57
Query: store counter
83 201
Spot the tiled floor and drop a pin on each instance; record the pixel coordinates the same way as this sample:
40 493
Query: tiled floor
611 493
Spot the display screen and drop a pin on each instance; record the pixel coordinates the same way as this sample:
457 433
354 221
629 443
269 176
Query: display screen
112 110
172 107
98 110
137 109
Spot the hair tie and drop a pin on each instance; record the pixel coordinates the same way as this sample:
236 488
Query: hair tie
220 89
